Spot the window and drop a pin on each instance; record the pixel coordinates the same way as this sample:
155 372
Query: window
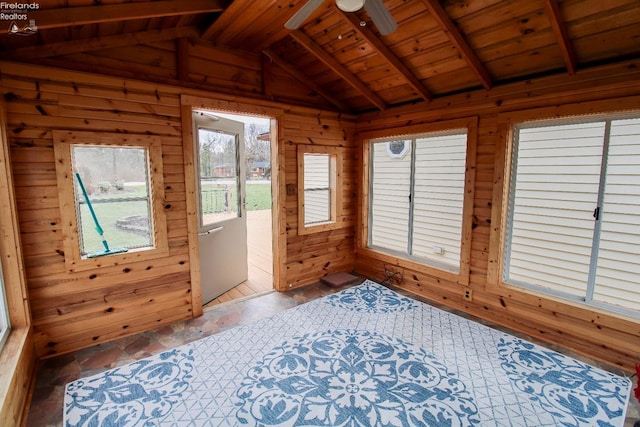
319 187
110 198
112 192
574 211
5 326
417 194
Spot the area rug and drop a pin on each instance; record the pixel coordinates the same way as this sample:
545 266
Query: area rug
366 356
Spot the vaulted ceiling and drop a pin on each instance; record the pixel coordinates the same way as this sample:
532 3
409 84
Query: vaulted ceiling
440 47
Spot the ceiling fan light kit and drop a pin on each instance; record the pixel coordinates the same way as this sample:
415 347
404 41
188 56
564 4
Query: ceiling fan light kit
379 14
350 5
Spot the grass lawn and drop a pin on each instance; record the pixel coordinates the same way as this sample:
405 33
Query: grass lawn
258 198
108 214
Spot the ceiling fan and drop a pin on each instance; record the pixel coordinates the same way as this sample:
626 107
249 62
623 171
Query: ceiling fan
375 8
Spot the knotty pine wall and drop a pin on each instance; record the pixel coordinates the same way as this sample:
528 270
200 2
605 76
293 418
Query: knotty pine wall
311 256
17 357
71 311
614 339
76 310
196 65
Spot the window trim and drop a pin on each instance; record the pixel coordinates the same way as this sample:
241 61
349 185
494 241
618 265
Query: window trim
336 160
62 143
366 139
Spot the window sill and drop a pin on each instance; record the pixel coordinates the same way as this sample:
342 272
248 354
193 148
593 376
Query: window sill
17 359
85 264
320 227
411 264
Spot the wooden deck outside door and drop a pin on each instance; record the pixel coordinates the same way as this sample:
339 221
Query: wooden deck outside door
219 152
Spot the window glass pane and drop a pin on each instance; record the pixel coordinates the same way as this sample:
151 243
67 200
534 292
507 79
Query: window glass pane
219 176
116 182
4 314
438 198
389 199
126 224
317 193
618 269
554 194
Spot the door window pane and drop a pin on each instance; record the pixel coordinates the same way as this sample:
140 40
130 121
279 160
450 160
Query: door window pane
219 176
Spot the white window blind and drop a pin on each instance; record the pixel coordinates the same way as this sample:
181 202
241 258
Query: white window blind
416 200
555 194
317 192
617 280
574 213
438 197
389 199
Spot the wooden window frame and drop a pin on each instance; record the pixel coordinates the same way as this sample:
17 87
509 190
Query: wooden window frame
366 140
335 186
62 144
17 357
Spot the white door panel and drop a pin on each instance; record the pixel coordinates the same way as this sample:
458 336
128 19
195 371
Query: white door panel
222 216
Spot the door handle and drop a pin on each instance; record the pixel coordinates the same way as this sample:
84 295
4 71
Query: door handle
213 230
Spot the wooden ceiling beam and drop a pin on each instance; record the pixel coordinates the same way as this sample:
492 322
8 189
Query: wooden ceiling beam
304 79
338 68
83 15
78 46
552 9
455 36
386 53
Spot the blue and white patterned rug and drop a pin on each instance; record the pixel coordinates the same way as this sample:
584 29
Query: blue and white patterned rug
365 356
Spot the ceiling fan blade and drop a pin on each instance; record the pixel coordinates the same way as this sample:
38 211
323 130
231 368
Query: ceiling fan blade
301 15
380 16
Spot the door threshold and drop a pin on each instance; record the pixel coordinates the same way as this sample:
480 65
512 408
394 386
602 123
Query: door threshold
248 297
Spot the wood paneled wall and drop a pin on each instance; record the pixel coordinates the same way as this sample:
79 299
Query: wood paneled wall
311 256
76 310
614 339
17 357
196 65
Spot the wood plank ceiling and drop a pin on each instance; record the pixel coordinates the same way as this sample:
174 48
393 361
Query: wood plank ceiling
440 47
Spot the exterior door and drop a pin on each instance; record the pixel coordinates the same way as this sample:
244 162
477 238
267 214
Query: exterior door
219 153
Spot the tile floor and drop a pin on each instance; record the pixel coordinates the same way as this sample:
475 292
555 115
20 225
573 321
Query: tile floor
53 374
